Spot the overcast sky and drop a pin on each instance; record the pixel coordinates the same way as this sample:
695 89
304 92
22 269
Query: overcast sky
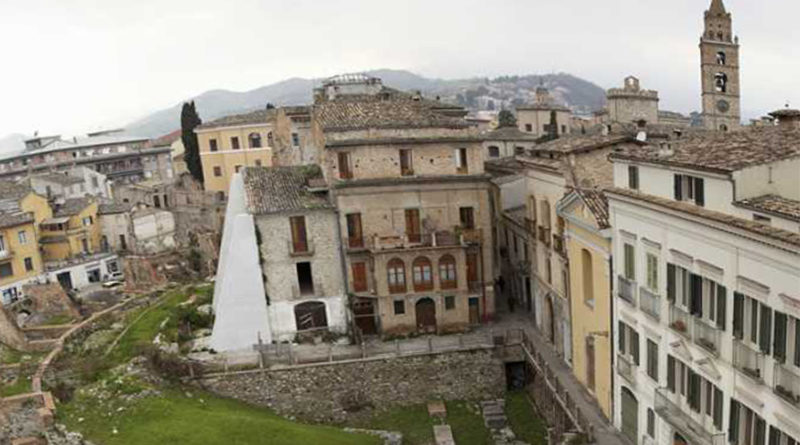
80 65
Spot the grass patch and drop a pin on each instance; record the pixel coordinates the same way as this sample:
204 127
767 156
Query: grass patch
467 424
21 385
60 319
524 420
203 418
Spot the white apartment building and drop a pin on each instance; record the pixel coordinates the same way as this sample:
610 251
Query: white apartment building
706 240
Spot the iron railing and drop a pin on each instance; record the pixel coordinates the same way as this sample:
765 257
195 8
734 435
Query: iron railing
650 303
626 368
684 422
627 290
706 336
748 360
680 321
787 384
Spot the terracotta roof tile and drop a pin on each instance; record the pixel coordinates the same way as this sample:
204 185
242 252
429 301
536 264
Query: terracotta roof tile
773 204
282 189
386 114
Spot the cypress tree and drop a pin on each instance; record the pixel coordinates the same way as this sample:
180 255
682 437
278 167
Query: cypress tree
189 121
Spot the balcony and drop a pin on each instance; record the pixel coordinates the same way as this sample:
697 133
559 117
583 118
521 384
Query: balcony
307 290
684 421
787 384
626 368
650 303
627 290
680 321
748 360
6 254
301 249
706 336
355 243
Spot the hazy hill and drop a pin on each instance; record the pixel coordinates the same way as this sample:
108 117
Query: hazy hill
475 93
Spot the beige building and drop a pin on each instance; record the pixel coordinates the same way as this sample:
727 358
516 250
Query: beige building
632 104
231 143
535 118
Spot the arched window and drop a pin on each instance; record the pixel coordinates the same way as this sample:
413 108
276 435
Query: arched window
255 140
269 139
721 82
588 277
721 58
423 279
494 152
396 271
310 315
447 272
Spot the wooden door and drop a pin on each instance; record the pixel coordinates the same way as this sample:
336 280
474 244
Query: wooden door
474 311
630 415
359 277
426 315
299 240
413 228
472 271
364 314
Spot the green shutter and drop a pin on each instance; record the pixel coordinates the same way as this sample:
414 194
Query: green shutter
733 426
738 315
622 338
671 281
765 329
696 295
718 408
721 307
671 373
635 347
779 340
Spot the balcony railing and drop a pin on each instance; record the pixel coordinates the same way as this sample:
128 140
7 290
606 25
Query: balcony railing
301 249
684 421
680 321
355 242
787 384
748 360
626 369
650 303
627 290
706 336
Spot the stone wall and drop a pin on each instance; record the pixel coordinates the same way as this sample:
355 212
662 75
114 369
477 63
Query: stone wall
332 392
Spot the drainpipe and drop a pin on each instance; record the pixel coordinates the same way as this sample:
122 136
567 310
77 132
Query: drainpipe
342 260
483 286
611 330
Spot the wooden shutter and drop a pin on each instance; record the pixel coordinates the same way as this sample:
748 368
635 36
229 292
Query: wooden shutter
622 338
733 425
671 281
718 408
696 295
359 277
796 342
472 268
765 329
721 307
344 166
738 315
699 192
354 232
774 436
678 187
635 346
412 225
299 240
671 373
695 391
761 431
779 340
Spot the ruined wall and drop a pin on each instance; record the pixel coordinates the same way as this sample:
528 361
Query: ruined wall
329 392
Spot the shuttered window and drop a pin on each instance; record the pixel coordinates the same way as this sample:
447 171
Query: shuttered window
779 339
652 359
652 272
630 262
765 329
299 240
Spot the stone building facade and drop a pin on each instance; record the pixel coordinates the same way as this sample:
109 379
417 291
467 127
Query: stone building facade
535 118
632 104
720 65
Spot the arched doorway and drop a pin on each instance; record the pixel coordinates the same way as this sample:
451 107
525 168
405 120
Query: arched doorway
630 415
679 440
426 315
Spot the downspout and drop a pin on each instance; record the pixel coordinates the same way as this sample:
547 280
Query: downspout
342 262
611 330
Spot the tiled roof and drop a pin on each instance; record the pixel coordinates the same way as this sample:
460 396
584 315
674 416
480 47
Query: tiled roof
112 207
382 114
59 178
282 189
168 138
254 117
546 106
12 215
721 152
597 203
509 134
11 190
73 206
773 204
582 142
718 217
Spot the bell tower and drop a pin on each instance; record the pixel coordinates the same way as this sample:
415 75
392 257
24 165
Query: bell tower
719 62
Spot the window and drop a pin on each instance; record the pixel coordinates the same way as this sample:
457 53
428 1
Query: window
344 166
449 302
652 360
413 226
399 307
406 166
563 129
701 396
778 437
355 237
689 188
254 140
299 238
628 342
587 272
212 145
721 58
746 427
295 140
652 272
217 171
270 141
447 272
630 262
461 161
651 423
633 177
95 184
721 82
310 315
519 150
305 279
529 128
28 264
87 221
678 286
359 277
235 143
237 168
423 279
396 275
23 237
6 270
752 323
467 217
494 152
